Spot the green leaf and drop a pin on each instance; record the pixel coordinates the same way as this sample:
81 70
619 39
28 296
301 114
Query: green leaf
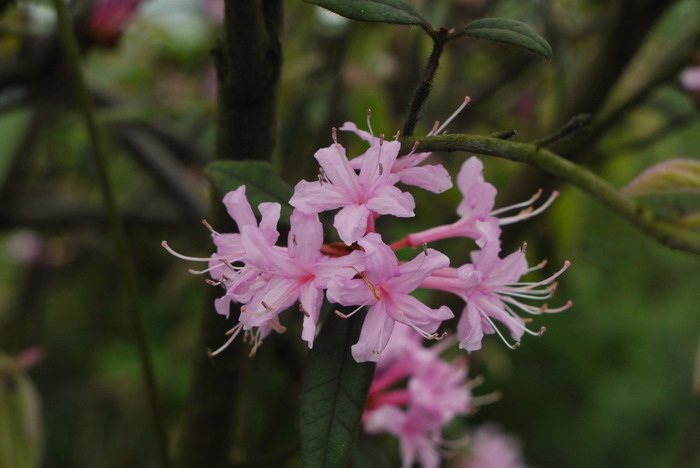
21 434
261 182
375 11
511 32
334 392
673 176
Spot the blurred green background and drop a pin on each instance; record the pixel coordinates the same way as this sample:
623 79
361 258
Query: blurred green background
610 383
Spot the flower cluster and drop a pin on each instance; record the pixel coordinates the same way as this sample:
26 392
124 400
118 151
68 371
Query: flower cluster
363 271
415 394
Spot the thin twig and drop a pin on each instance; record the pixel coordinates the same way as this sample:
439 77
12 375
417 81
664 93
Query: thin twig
420 95
72 59
532 154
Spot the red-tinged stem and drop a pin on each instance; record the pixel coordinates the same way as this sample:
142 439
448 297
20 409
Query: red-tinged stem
400 244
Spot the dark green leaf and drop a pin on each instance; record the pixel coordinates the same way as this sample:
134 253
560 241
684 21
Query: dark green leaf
334 392
511 32
262 184
375 11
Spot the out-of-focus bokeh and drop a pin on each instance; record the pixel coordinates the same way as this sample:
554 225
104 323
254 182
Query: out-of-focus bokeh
609 385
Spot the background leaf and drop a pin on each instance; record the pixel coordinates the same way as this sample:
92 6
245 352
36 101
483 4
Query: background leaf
334 392
21 438
674 176
375 11
511 32
262 184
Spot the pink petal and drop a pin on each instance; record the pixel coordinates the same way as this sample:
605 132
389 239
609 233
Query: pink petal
380 261
270 213
314 197
311 299
410 160
690 78
349 292
351 127
351 223
222 305
239 209
413 273
419 314
375 334
469 328
377 164
389 200
435 179
278 295
478 196
263 255
337 169
305 238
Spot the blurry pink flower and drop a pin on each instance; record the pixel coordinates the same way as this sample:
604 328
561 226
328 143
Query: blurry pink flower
478 199
436 392
385 286
690 78
491 448
360 196
108 19
491 288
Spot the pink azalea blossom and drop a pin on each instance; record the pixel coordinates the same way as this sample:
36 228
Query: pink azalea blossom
478 199
434 178
361 197
109 18
491 288
492 449
690 78
435 393
385 287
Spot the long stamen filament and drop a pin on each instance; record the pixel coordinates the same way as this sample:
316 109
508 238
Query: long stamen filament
524 204
455 114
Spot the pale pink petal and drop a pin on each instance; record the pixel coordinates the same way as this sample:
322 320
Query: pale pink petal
270 213
351 127
413 311
278 295
311 299
387 418
380 261
375 334
337 169
413 273
690 78
492 306
239 209
314 197
305 238
377 164
478 196
435 179
508 270
222 305
410 160
262 255
390 200
349 292
351 223
228 246
347 266
469 328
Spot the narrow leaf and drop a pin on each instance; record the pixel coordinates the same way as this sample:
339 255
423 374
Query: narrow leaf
673 176
334 392
262 184
375 11
511 32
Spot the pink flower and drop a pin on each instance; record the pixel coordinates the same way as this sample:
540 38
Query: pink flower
493 449
297 273
434 178
436 392
491 289
361 196
478 199
108 19
385 286
690 78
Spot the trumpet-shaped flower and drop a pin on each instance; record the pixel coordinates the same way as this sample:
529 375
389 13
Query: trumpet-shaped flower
478 199
385 287
416 413
434 178
491 288
360 197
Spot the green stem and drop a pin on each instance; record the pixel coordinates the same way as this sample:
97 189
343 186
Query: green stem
587 181
422 91
72 60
